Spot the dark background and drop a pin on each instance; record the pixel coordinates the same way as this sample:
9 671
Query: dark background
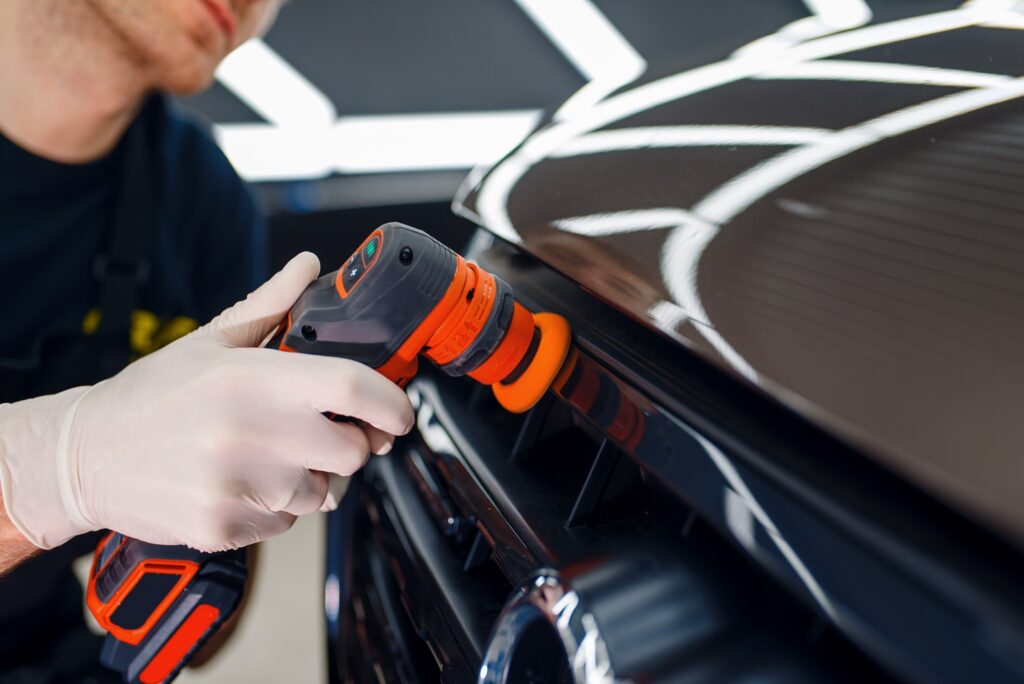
391 57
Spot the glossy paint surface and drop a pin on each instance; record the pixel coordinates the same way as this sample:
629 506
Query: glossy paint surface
926 594
832 212
851 584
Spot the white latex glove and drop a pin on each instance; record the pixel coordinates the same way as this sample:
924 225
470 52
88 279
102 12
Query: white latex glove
208 442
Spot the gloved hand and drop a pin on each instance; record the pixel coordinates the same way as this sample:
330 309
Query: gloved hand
208 442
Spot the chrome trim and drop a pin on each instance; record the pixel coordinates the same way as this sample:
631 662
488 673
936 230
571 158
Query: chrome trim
548 597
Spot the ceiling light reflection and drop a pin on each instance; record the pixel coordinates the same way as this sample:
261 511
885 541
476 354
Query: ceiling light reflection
591 43
882 72
273 88
687 136
373 144
738 194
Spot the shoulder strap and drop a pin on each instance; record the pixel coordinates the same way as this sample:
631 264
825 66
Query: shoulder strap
122 269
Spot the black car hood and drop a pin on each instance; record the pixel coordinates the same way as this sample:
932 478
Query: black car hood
837 219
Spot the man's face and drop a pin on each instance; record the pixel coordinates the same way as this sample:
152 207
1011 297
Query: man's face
179 43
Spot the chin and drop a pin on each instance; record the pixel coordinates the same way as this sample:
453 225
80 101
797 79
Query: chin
186 77
187 84
173 41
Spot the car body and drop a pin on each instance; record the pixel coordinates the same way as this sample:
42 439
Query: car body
789 449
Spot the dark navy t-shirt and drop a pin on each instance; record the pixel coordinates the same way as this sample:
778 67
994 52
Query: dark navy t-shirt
206 243
206 246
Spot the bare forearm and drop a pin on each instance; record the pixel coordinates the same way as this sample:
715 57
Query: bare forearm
14 548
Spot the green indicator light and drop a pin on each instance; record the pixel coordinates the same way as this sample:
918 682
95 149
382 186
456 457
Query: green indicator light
371 248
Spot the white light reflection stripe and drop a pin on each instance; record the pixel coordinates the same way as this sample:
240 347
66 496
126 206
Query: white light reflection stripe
993 4
883 34
680 255
591 43
1007 20
882 72
667 315
687 136
273 88
374 144
840 14
261 152
786 37
426 141
618 222
584 35
827 17
736 481
736 195
739 519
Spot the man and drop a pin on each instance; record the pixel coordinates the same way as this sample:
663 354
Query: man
120 224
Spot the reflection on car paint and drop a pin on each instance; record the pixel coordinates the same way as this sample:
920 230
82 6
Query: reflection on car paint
847 581
640 428
684 241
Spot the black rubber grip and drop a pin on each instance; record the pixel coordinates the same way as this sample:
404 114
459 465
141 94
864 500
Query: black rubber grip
525 362
490 337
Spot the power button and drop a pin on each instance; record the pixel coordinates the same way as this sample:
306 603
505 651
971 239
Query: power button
352 272
360 262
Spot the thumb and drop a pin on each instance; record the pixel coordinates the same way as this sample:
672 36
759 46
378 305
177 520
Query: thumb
249 321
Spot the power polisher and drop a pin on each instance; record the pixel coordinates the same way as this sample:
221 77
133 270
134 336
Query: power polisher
400 296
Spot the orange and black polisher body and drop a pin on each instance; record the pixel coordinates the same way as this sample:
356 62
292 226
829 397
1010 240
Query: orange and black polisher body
403 294
400 296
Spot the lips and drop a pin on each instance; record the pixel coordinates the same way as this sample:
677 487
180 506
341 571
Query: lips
224 17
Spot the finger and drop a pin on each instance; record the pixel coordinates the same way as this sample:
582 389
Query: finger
242 527
339 448
301 439
307 494
336 487
248 322
343 387
380 441
266 524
